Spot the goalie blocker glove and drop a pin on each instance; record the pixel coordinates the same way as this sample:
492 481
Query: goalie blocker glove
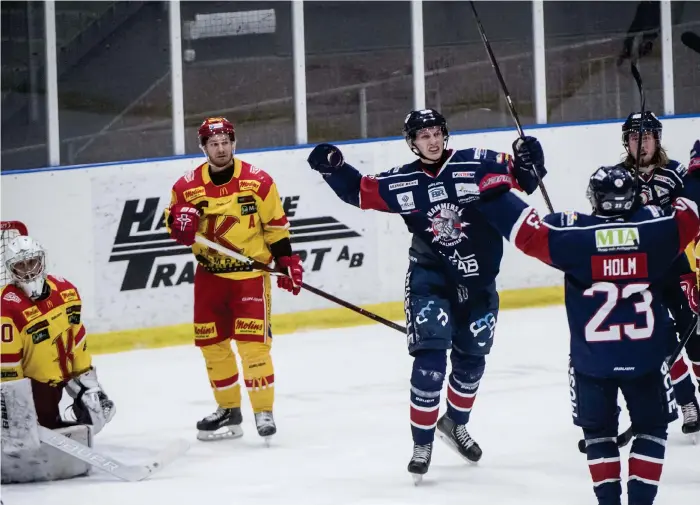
91 405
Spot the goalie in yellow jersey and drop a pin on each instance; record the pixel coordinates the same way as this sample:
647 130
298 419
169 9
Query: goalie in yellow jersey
237 205
44 351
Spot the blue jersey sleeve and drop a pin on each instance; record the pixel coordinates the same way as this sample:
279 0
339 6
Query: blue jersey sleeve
362 191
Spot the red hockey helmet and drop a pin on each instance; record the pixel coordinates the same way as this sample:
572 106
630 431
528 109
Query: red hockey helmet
214 126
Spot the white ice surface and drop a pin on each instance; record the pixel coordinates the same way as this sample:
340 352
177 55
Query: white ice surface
344 437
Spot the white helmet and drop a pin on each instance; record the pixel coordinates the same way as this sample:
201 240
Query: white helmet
25 260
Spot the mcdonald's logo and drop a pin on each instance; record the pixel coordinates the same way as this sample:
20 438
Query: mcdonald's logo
223 191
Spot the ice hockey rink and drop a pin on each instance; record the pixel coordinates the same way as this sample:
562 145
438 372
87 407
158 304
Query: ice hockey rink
344 437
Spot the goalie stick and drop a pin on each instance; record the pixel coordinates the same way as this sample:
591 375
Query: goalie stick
129 473
509 100
261 266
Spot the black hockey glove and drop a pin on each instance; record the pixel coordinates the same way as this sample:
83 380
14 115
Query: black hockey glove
325 158
529 162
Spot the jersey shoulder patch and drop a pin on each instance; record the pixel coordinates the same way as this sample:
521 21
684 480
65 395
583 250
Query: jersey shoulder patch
678 167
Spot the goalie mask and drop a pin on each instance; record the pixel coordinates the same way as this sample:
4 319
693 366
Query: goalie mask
26 263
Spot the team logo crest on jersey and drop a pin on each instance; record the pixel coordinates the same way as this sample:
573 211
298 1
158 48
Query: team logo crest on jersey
12 297
446 224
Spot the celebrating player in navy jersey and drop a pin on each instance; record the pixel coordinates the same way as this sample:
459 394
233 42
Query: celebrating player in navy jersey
616 264
455 254
661 181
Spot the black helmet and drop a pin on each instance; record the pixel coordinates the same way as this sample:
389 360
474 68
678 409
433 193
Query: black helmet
649 124
611 191
416 120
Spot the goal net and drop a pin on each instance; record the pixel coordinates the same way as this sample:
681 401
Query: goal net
10 230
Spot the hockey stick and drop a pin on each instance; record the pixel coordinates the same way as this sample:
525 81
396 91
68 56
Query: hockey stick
643 99
509 100
261 266
624 438
691 41
129 473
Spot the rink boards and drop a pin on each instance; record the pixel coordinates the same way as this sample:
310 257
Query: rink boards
102 226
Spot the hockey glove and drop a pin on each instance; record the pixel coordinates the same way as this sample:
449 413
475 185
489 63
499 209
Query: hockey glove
91 405
694 164
529 162
690 288
325 158
184 223
290 265
645 195
494 179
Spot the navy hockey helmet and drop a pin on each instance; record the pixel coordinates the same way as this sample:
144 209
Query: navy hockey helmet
611 191
650 123
416 120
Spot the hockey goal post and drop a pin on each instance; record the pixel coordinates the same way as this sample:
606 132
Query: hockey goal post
9 230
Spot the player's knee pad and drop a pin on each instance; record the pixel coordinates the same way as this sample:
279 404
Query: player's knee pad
428 373
257 364
467 368
219 354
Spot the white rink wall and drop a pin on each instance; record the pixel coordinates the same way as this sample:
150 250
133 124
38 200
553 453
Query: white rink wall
130 277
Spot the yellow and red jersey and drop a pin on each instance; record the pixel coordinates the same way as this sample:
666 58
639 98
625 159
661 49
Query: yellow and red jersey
245 215
43 340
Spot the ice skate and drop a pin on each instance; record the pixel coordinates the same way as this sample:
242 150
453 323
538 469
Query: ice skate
691 420
265 424
222 424
457 438
420 462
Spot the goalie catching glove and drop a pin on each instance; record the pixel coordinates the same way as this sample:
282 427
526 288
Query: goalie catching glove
91 405
184 223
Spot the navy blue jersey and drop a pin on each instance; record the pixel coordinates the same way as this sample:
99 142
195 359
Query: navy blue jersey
441 211
614 269
665 183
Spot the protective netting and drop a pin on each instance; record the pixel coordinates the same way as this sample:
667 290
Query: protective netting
10 230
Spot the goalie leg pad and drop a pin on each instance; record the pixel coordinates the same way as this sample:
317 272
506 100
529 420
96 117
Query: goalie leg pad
46 463
19 418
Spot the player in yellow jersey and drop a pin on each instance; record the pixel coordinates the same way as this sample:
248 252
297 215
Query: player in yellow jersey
236 205
44 351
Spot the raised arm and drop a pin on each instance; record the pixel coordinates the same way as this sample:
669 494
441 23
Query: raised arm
348 183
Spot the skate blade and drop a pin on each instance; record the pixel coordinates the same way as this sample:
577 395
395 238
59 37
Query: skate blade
224 433
267 440
417 478
694 437
448 441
